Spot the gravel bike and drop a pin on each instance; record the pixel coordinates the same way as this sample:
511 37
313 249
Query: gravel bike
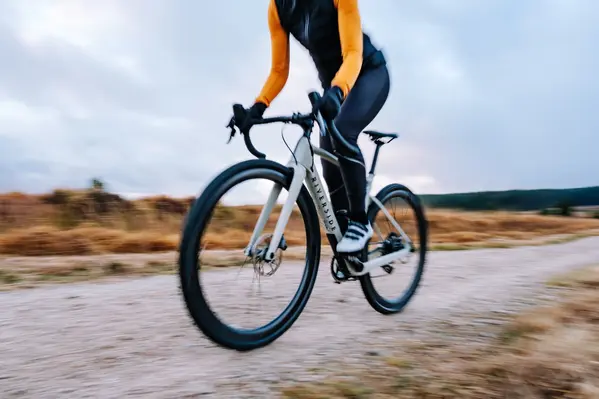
305 189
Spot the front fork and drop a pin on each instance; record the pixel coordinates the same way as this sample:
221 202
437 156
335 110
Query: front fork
263 219
302 155
294 190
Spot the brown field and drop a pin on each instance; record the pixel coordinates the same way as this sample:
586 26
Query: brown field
551 351
95 222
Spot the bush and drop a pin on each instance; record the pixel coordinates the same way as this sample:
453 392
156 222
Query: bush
168 205
551 212
562 208
57 197
565 209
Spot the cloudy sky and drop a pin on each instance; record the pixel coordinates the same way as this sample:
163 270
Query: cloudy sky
494 94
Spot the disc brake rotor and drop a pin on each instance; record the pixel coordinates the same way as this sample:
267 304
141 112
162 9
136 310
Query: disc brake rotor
261 266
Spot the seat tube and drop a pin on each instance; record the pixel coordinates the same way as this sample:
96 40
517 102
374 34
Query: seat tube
369 180
370 176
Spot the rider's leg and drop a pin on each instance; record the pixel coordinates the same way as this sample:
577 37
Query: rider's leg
361 106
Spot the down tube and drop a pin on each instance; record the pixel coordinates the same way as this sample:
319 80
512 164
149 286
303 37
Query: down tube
323 206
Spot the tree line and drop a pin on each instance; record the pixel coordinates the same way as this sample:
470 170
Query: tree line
515 200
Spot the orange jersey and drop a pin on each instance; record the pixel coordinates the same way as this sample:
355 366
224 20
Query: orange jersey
330 30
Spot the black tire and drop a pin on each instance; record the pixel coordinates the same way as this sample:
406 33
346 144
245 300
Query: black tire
190 269
375 300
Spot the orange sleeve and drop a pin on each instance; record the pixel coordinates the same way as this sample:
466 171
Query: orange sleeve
279 70
350 33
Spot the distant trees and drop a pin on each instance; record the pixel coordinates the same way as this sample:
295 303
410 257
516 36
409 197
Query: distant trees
97 184
517 200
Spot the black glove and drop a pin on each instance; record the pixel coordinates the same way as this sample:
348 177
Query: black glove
257 110
330 103
244 118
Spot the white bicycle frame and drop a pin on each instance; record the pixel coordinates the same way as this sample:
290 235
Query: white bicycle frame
302 161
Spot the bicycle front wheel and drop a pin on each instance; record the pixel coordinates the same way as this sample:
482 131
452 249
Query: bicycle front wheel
207 259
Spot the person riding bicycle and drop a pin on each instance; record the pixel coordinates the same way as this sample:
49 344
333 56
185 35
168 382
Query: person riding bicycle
354 75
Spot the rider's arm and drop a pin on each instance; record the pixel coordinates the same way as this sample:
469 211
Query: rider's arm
279 70
350 33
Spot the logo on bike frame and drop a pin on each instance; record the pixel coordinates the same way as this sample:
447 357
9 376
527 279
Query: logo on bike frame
329 219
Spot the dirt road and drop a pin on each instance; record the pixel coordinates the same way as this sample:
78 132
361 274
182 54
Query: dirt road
134 338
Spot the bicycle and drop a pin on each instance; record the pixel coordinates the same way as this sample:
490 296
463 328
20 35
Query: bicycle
304 185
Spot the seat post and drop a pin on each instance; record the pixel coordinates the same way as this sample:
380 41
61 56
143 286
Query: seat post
376 156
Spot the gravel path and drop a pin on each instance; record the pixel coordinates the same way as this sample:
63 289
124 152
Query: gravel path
134 338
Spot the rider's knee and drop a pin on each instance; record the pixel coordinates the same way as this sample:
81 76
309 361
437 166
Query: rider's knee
344 153
349 134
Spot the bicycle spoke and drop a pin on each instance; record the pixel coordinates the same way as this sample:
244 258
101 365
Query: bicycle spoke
378 231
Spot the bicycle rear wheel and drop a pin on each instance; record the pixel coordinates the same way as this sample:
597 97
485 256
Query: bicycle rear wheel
385 242
192 269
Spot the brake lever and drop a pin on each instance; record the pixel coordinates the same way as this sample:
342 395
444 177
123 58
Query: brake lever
231 126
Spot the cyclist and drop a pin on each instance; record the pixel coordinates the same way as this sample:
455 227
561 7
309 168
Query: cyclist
356 81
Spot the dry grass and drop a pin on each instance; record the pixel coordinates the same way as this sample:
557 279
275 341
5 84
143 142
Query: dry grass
547 352
29 275
91 222
587 278
46 240
472 227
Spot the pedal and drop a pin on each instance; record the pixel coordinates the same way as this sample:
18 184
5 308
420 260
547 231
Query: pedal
340 273
354 258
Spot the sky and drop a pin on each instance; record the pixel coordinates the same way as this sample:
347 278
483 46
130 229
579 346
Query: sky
486 95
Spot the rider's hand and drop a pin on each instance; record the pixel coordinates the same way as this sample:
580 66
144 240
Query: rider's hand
330 103
254 112
257 110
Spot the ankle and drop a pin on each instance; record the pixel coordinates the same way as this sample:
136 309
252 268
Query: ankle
359 217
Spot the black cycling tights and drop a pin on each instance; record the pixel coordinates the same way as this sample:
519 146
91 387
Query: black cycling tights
347 187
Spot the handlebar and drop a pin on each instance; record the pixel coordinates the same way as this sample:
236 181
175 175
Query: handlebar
305 120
